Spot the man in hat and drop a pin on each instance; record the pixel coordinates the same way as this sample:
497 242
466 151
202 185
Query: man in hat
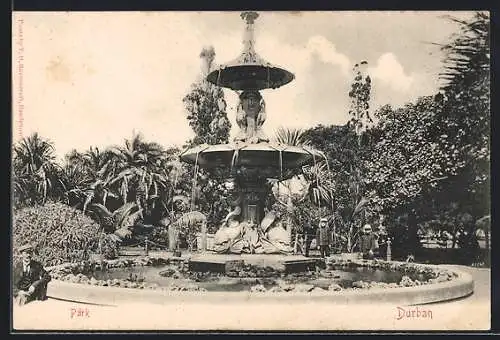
323 237
34 278
367 242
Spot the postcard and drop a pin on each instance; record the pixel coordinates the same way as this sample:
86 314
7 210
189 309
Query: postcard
251 171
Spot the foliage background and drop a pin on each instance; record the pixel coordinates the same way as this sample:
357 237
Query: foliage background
423 166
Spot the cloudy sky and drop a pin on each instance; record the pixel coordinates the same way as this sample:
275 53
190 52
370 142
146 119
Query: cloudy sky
96 78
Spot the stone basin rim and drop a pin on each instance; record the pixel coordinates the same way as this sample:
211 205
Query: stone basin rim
189 155
459 287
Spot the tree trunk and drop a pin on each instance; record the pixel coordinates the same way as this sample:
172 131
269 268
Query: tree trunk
289 224
454 237
203 238
487 239
172 237
349 239
413 239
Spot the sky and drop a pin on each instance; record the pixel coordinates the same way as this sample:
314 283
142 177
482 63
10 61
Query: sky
86 79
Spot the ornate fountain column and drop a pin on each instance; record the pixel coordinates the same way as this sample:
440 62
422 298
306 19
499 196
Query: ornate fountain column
252 187
252 160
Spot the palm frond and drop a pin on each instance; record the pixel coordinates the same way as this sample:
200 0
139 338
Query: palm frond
101 210
292 137
123 213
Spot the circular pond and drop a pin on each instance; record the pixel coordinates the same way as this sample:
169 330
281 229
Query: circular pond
253 278
163 280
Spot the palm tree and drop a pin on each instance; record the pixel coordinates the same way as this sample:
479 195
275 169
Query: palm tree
74 182
468 55
95 170
34 170
119 221
320 184
141 174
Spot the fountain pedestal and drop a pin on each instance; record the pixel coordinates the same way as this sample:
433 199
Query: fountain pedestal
225 263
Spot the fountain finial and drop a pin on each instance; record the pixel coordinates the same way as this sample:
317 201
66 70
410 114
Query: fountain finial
249 16
249 71
207 56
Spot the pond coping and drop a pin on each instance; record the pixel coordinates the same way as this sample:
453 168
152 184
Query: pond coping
461 285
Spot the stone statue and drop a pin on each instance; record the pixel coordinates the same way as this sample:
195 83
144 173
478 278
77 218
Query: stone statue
274 238
269 237
229 232
250 117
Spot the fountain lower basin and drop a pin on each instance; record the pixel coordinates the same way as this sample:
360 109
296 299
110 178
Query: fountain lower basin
222 289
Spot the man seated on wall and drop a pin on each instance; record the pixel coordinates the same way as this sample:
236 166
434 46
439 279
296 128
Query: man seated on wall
32 284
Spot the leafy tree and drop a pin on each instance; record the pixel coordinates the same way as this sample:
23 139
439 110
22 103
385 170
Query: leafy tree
411 156
346 147
206 107
206 113
431 157
360 99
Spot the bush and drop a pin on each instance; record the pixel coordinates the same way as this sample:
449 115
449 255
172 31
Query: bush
109 246
57 232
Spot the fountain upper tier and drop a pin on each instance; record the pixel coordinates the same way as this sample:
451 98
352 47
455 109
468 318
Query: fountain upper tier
249 71
251 148
279 159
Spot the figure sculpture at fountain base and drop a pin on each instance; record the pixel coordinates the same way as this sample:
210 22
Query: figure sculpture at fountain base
236 237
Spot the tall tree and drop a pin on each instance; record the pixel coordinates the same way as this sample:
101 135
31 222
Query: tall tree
466 111
412 163
206 107
360 99
206 114
345 157
141 173
360 119
87 176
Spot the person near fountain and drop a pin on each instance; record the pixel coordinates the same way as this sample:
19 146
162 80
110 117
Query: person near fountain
323 237
32 285
367 242
309 234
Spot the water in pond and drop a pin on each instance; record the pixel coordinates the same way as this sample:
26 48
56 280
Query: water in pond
162 276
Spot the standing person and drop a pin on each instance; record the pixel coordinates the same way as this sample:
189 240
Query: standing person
323 237
309 233
382 240
367 242
34 278
332 225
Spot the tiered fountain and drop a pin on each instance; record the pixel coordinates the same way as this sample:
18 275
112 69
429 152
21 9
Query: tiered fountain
252 237
251 162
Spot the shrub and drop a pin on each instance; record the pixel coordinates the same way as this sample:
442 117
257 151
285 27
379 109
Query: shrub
109 246
57 232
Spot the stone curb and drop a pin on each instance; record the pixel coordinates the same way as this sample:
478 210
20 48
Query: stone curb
460 286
